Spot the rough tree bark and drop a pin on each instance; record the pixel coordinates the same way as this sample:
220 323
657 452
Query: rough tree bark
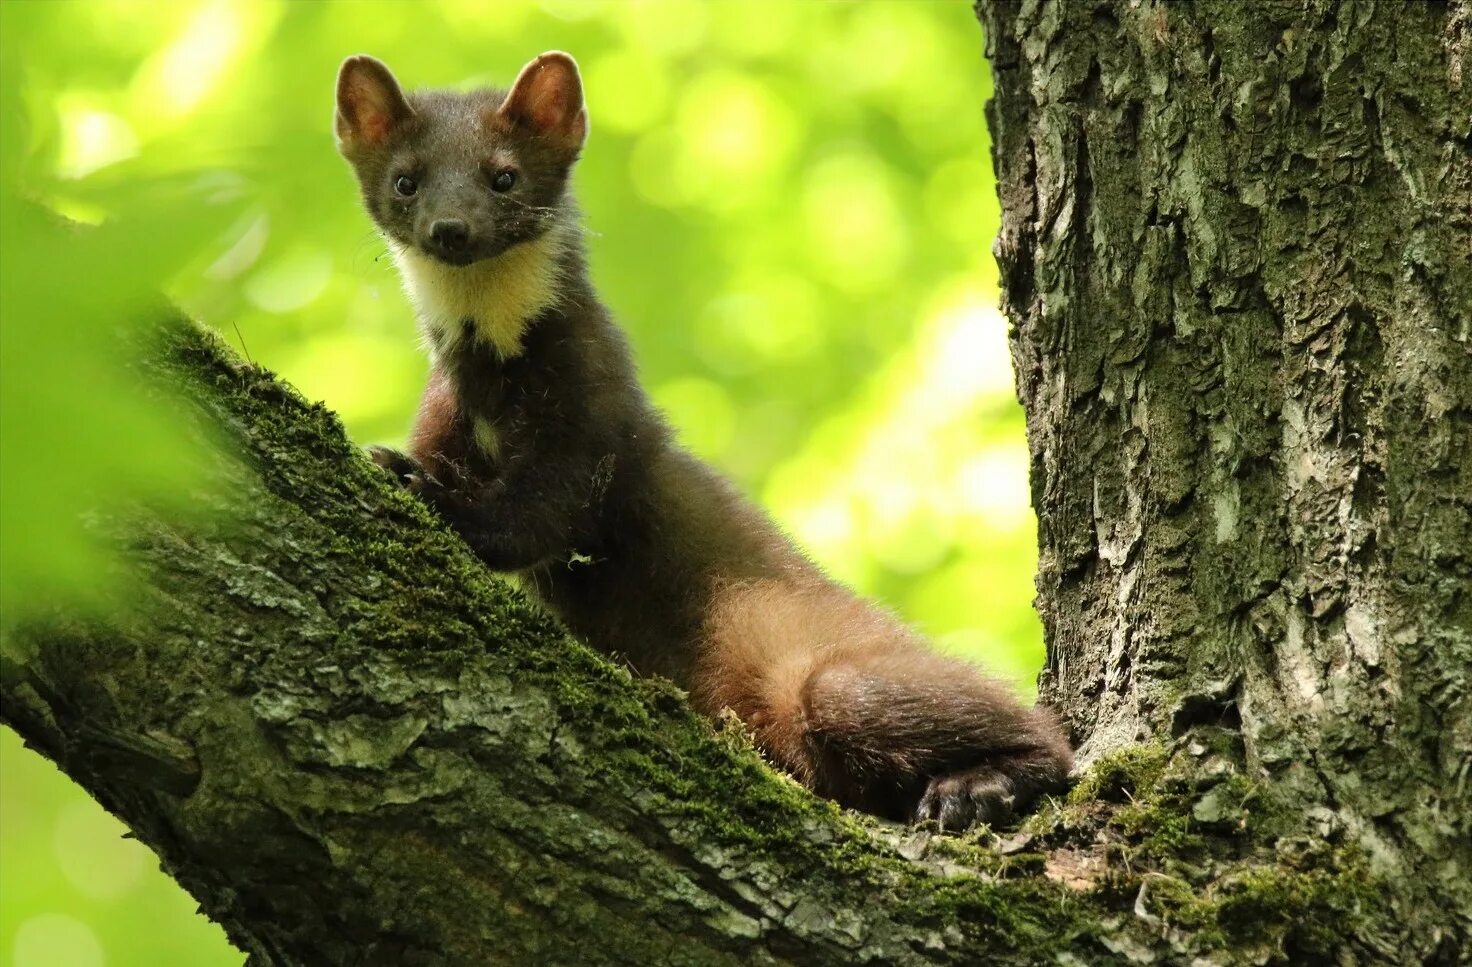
1236 249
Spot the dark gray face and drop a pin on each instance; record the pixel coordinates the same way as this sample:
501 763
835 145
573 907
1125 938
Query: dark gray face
457 186
462 177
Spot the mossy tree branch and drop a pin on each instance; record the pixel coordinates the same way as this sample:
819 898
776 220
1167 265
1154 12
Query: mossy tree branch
352 744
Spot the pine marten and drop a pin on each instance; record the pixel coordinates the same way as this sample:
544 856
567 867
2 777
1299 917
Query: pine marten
537 444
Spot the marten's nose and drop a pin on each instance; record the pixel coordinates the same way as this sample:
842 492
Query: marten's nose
449 234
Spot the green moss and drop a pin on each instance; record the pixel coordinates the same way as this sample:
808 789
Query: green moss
1295 908
1311 910
1161 828
1120 775
1147 813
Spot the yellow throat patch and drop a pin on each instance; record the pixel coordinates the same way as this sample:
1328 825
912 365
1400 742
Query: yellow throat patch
501 295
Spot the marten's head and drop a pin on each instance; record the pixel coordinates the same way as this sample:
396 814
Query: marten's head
463 177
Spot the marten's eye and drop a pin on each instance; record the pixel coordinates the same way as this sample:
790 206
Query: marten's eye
405 186
504 179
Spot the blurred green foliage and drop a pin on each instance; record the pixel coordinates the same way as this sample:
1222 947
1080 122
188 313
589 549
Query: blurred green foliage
789 205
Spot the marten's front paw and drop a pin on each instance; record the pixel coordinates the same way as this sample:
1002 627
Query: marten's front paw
962 799
411 475
397 463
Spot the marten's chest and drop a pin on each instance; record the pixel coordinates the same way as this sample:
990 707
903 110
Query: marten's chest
514 409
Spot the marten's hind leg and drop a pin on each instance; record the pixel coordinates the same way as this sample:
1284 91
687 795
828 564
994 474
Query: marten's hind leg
988 793
905 733
851 703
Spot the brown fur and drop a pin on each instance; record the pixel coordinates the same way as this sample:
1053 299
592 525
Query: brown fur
542 449
853 703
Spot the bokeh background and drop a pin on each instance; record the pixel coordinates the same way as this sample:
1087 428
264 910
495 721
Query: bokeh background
789 205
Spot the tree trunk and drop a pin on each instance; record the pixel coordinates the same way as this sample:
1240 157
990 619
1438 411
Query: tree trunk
1236 250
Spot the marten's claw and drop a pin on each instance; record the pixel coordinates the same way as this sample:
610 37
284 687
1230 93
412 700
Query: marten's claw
424 485
411 475
397 463
963 799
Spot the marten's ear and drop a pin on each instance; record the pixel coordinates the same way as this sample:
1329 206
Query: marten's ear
370 105
547 100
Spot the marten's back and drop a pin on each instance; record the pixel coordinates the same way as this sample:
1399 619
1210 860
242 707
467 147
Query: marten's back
670 532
